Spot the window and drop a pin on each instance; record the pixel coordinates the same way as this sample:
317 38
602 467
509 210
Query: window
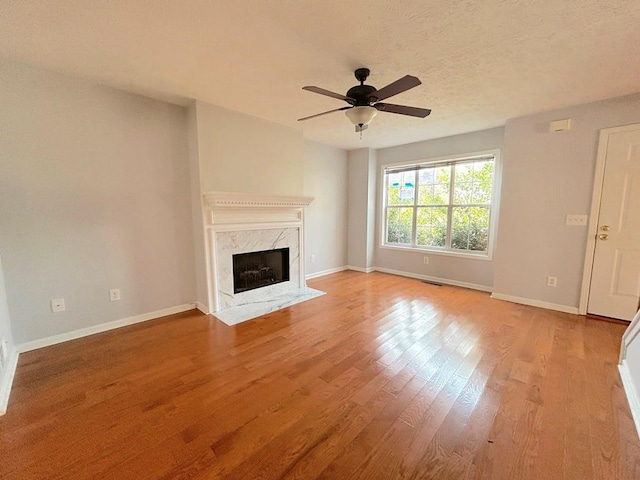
441 205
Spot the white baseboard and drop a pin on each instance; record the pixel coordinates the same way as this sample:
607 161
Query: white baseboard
326 272
102 327
428 278
6 379
360 269
632 393
535 303
202 307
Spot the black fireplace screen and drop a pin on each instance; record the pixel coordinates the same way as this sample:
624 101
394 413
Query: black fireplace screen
259 269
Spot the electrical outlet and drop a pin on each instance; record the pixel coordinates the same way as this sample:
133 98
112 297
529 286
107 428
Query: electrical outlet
57 305
313 259
425 260
552 281
114 294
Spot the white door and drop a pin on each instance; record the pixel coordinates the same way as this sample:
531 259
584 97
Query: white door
615 277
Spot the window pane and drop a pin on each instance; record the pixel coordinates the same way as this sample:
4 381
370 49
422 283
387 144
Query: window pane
431 228
427 175
470 228
399 223
483 178
473 182
401 188
434 185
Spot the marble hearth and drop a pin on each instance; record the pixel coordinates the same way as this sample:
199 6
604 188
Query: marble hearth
243 223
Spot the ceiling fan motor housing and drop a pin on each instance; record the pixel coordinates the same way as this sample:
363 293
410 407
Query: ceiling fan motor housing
362 94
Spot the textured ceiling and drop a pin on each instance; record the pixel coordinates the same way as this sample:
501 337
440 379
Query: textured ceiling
481 62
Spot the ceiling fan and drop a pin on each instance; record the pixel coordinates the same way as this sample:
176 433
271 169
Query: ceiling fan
365 100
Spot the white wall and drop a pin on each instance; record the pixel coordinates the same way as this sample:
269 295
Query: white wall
633 359
8 353
325 179
545 177
6 335
94 194
458 269
630 367
241 153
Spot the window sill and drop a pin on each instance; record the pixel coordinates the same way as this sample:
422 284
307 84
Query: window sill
445 253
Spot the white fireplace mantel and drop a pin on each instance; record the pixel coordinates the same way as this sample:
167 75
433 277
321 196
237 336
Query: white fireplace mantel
226 209
229 213
233 199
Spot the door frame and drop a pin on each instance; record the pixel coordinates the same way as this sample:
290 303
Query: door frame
596 199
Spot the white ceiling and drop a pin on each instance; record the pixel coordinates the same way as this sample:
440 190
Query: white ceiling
481 62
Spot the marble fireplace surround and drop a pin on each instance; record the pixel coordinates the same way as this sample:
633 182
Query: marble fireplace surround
241 223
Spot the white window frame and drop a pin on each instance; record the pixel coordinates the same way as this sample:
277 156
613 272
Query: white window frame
493 215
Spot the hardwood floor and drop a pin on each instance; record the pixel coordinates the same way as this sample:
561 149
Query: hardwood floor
384 377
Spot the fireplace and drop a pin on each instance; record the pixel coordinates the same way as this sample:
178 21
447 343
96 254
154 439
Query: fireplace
259 269
238 223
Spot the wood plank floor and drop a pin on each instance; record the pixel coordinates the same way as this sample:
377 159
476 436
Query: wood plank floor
384 377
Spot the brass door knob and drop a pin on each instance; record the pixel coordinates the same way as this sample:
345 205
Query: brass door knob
603 236
605 228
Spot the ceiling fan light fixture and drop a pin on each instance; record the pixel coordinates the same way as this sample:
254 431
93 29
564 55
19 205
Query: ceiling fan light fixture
361 115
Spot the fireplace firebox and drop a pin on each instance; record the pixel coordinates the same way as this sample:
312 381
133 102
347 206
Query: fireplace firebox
259 269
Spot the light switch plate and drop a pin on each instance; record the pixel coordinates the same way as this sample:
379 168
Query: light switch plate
577 220
560 125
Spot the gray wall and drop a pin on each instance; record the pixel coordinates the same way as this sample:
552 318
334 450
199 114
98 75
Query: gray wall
459 269
197 213
545 177
361 208
241 153
372 185
325 179
94 194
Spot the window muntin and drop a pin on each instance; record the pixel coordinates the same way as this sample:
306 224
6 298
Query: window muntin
442 206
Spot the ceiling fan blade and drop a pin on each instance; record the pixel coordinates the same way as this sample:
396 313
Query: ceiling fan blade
403 109
323 113
402 85
322 91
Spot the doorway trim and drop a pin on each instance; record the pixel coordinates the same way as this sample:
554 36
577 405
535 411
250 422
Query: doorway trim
598 180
